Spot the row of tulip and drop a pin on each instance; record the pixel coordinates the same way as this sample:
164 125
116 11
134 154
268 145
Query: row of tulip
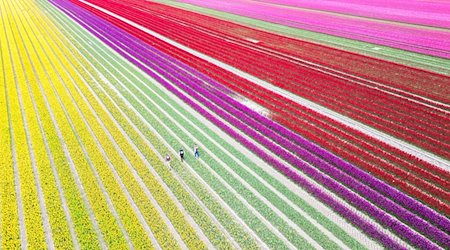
9 220
393 35
28 194
201 218
9 214
110 30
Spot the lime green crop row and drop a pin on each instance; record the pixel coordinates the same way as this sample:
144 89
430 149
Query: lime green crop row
178 220
439 65
9 216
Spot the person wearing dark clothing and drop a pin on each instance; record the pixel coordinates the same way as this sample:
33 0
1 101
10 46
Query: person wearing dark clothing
182 155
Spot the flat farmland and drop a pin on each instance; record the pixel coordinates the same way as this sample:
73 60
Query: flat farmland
301 144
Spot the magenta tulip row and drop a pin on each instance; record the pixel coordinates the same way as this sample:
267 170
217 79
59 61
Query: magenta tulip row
436 14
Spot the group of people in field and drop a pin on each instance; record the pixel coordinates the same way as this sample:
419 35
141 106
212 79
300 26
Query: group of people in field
181 152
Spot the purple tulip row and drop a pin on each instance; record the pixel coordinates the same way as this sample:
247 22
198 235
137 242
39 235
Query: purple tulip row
173 75
431 42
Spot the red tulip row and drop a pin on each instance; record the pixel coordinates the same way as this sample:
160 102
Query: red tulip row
420 127
370 162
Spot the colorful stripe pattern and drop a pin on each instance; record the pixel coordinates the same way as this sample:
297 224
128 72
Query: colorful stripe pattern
301 145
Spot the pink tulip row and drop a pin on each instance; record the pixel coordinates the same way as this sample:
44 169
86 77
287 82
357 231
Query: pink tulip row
430 42
434 14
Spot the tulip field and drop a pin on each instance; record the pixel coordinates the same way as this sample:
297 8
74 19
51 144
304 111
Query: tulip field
309 138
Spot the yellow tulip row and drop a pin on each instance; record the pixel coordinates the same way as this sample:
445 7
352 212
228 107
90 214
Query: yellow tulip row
60 87
9 217
108 223
47 177
53 204
54 104
20 112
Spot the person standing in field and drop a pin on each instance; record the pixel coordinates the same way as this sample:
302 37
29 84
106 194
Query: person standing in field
168 159
182 155
196 154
